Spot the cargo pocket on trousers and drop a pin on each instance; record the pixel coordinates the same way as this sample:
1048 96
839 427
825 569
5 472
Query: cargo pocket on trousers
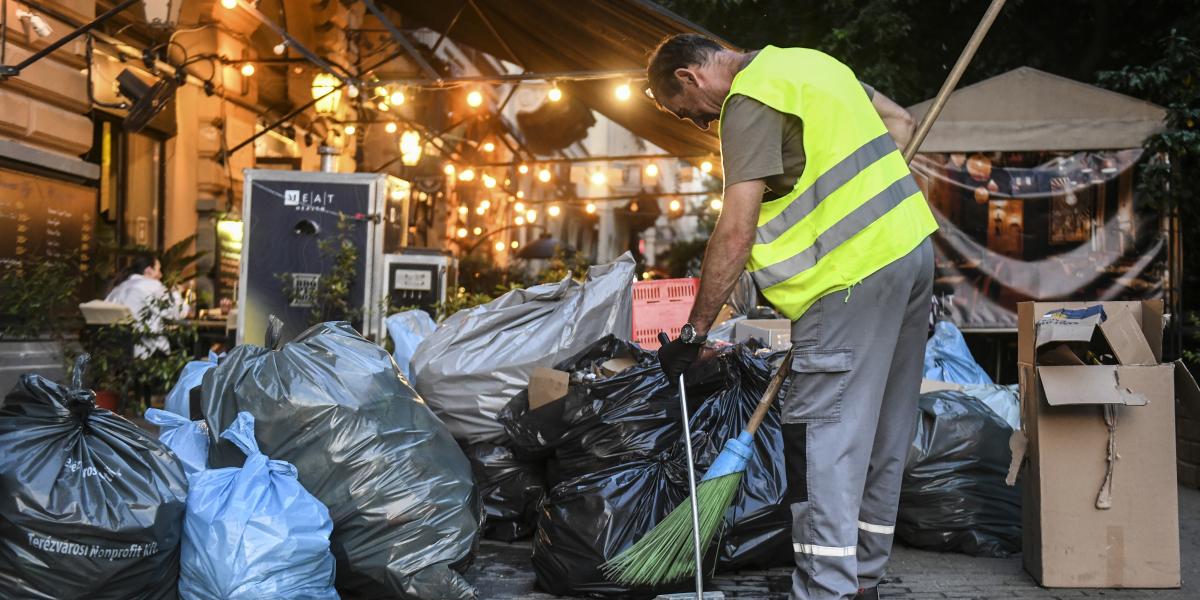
819 379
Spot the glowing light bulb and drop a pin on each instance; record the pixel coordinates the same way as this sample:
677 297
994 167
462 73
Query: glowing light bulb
499 246
554 210
523 169
279 48
462 210
466 175
544 176
247 69
598 178
350 129
716 204
590 208
675 206
531 216
230 4
706 166
390 128
555 94
623 92
474 99
380 91
383 106
462 232
489 181
489 147
520 194
477 230
651 170
515 244
397 98
519 207
519 221
448 169
479 210
486 204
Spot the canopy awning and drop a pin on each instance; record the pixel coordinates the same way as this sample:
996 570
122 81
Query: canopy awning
1027 110
586 35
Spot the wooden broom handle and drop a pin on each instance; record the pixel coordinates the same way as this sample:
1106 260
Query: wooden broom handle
768 397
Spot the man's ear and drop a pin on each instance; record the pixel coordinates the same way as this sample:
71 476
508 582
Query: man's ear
686 76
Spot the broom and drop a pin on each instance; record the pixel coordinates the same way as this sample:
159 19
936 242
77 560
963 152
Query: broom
665 553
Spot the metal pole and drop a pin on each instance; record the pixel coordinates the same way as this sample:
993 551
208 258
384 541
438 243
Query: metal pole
687 442
345 78
13 71
524 76
400 39
964 59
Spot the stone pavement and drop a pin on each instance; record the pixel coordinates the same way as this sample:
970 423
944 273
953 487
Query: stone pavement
502 572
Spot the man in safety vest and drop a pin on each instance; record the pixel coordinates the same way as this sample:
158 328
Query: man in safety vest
819 206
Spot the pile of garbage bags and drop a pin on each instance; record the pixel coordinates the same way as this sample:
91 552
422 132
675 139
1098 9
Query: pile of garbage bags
478 359
615 464
92 506
317 472
399 490
953 497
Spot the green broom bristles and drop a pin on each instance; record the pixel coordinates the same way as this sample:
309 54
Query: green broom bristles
665 553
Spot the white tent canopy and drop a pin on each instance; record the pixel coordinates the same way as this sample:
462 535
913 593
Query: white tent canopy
1027 110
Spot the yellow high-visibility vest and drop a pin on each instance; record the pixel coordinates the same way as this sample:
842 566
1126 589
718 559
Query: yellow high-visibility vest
855 208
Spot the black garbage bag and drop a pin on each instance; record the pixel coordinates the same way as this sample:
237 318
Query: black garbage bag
954 497
510 488
758 523
92 506
405 510
611 429
588 520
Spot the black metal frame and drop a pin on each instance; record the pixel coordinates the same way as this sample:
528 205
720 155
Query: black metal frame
7 71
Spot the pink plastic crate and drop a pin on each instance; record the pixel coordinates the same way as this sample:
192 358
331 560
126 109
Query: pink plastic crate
661 305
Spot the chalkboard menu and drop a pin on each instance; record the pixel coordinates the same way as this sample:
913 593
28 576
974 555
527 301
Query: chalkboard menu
45 219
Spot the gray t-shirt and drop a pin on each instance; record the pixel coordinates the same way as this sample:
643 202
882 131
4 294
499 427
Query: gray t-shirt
759 142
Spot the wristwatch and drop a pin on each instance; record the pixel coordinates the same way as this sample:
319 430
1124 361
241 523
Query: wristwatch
688 335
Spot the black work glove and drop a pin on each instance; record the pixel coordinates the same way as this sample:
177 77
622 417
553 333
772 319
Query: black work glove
676 356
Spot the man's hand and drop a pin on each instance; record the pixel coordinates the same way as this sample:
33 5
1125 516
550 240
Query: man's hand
676 356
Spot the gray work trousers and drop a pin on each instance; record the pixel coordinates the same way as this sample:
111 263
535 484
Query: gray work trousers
848 419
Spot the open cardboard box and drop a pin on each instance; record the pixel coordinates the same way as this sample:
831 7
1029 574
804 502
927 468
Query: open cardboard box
1086 524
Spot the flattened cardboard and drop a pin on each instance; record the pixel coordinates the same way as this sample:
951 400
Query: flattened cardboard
546 386
1186 390
933 385
1125 337
1096 384
613 366
1061 329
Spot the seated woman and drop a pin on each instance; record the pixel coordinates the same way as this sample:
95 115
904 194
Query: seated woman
149 300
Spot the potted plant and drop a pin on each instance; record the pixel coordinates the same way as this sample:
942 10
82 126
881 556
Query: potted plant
38 315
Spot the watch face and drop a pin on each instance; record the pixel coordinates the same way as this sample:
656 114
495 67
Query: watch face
687 332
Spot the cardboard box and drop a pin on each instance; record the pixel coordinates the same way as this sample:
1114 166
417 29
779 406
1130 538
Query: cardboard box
546 386
1083 527
774 333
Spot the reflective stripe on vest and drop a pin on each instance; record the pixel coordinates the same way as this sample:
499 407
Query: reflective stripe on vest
854 209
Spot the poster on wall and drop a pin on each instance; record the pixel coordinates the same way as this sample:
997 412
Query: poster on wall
1018 226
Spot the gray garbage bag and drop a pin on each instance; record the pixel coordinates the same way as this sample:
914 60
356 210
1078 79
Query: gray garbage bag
478 359
405 510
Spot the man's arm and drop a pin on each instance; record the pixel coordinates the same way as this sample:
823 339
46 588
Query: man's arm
727 251
899 123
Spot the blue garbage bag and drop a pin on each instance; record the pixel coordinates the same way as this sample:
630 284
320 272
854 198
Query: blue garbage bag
187 439
407 329
947 357
190 377
254 532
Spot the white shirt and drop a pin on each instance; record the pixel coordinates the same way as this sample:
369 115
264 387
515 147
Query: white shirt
137 293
